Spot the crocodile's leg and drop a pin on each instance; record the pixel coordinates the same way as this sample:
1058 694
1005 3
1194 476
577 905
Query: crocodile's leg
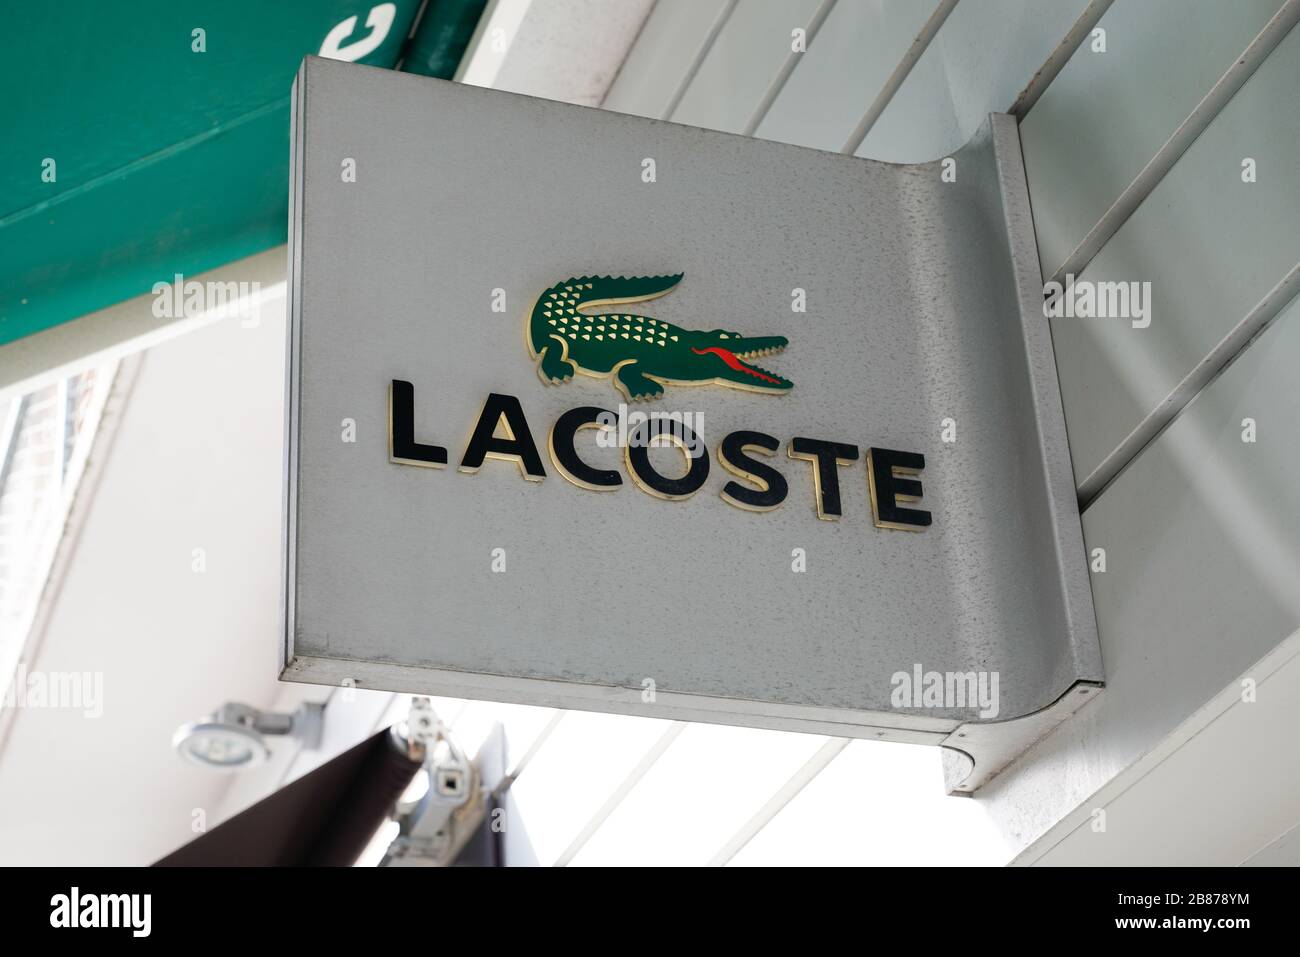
636 385
553 367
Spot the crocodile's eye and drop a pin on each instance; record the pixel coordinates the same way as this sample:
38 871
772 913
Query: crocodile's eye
723 335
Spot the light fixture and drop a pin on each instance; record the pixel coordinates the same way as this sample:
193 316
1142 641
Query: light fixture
234 737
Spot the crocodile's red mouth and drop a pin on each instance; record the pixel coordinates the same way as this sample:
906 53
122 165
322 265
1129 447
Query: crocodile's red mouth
730 359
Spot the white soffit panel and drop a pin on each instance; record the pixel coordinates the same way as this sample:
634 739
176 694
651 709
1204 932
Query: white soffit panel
567 50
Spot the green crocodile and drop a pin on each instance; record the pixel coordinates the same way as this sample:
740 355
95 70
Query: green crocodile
640 353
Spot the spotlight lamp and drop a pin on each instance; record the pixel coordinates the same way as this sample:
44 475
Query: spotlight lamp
234 737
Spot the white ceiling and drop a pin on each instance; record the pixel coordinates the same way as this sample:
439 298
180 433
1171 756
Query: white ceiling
196 463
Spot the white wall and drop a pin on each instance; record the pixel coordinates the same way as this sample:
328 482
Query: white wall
195 463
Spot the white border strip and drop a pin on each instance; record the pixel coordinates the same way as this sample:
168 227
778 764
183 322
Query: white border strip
100 337
488 47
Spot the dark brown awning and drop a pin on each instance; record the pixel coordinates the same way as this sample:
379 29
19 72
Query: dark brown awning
325 818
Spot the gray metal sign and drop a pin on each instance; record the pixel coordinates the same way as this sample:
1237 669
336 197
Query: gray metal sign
857 518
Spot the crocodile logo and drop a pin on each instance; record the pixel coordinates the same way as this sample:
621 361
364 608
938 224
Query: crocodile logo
640 354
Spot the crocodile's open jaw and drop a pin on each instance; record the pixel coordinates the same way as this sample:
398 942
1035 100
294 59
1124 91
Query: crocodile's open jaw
749 375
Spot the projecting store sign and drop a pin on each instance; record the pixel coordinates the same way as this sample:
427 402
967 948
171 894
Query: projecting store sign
603 492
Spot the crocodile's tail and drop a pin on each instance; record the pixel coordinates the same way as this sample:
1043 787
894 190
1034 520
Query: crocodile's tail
565 298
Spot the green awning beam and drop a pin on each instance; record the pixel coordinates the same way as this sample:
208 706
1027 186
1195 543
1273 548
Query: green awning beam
441 38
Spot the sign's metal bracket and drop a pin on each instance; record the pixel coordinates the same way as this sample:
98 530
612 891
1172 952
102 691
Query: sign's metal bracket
975 753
